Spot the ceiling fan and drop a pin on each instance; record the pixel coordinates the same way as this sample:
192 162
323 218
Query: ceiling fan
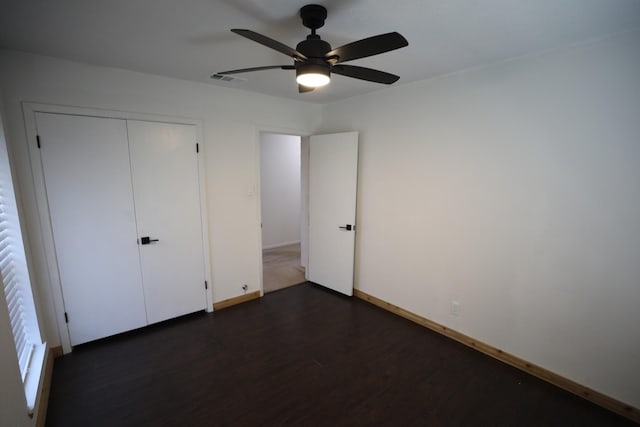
314 60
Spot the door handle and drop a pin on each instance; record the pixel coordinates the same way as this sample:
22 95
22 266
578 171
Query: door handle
147 240
347 227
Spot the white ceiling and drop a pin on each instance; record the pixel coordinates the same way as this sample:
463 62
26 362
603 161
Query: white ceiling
190 39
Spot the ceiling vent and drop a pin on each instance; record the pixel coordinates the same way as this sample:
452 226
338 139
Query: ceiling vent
227 79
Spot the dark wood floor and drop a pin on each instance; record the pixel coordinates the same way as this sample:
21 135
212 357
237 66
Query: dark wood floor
301 356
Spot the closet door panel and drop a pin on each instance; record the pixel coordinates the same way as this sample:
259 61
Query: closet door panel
167 199
85 161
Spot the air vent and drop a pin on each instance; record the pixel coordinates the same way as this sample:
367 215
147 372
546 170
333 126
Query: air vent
227 78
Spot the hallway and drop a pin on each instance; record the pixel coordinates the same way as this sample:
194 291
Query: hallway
281 267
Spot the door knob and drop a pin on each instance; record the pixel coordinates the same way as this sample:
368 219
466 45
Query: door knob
346 227
147 240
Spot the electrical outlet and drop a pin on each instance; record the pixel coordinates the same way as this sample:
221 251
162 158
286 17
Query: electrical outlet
455 308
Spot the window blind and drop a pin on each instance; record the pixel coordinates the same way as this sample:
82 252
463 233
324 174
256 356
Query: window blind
11 279
14 277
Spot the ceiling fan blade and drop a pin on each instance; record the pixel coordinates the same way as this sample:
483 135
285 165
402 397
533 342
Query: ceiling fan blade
364 73
304 89
367 47
271 43
246 70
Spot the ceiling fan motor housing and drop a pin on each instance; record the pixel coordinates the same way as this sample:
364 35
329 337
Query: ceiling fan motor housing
313 47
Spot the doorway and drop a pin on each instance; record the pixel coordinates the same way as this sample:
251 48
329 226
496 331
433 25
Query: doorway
282 162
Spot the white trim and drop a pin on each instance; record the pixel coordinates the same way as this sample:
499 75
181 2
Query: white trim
46 230
50 260
33 381
204 215
304 184
111 114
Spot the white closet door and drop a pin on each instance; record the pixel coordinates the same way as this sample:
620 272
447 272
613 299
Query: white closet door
165 179
88 180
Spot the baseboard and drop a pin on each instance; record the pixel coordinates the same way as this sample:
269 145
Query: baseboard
236 300
56 351
41 414
594 396
279 245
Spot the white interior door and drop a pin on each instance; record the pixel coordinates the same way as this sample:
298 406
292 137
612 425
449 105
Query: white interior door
164 167
333 179
85 161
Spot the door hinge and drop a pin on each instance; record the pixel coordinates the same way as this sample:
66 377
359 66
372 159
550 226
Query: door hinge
66 317
197 147
38 140
206 285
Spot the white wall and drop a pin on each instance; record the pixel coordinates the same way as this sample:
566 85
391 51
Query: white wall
232 120
280 189
515 190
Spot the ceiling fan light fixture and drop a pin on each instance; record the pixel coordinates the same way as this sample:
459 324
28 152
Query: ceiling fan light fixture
312 75
313 79
315 60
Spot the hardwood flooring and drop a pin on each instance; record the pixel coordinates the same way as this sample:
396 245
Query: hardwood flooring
301 356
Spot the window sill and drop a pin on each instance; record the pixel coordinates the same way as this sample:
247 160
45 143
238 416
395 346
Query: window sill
34 374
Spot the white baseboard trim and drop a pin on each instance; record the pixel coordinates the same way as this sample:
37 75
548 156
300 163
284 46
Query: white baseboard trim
279 245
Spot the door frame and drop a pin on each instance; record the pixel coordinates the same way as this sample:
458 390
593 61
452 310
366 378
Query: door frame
304 226
45 261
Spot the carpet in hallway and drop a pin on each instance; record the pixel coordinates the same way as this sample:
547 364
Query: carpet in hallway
281 267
